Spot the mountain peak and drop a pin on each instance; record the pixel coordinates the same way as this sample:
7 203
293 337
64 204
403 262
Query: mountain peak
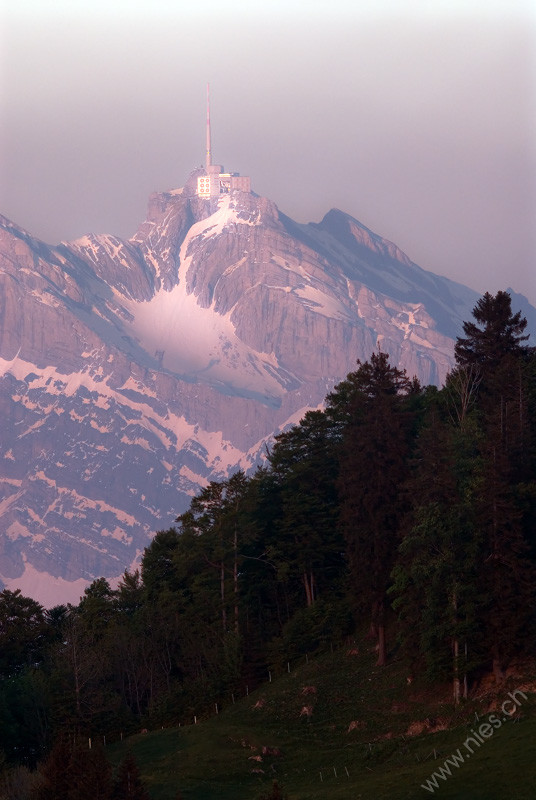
136 371
354 235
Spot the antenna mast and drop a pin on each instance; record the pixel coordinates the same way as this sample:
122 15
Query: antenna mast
209 153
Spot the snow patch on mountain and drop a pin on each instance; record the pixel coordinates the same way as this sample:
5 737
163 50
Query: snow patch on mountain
132 373
173 431
225 215
323 303
45 588
199 343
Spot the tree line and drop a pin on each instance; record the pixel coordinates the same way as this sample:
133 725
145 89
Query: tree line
406 510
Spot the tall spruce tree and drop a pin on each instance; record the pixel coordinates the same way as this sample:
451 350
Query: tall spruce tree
434 589
157 567
24 632
72 771
375 424
499 333
213 535
267 590
307 546
56 772
129 784
216 517
496 348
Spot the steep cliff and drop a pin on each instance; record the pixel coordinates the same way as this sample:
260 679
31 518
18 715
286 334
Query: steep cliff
132 372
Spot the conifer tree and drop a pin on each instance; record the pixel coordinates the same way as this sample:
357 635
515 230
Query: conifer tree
74 772
128 783
434 575
130 593
90 773
497 349
276 793
24 632
373 461
157 567
208 564
56 772
500 333
266 593
218 520
306 545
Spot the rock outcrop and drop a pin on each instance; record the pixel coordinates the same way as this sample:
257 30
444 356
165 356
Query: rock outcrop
133 372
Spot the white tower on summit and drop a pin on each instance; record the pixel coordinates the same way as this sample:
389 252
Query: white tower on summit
208 159
215 181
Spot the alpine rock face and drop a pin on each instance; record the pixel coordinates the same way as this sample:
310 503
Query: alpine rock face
134 372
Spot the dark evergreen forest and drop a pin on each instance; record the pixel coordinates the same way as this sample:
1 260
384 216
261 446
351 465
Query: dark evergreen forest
399 512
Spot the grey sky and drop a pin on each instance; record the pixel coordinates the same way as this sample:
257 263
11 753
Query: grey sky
417 118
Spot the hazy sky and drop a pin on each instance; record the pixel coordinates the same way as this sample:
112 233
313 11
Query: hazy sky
417 118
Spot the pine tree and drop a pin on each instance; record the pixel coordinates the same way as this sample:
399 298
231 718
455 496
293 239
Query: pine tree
500 334
375 424
74 772
157 567
434 587
276 793
306 545
506 573
130 593
217 519
24 632
56 772
129 784
91 774
496 349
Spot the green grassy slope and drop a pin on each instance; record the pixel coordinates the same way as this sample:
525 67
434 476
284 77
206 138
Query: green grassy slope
383 757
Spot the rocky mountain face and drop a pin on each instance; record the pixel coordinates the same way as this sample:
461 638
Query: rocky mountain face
133 372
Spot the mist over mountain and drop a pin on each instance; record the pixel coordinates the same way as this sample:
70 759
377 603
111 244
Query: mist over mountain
134 372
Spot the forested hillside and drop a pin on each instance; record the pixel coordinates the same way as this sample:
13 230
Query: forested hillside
402 512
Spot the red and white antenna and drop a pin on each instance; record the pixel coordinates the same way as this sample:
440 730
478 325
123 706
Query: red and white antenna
209 152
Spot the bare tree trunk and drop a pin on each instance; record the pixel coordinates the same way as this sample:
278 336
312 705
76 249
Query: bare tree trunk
309 585
497 666
307 588
455 671
235 580
455 654
382 653
76 667
75 659
373 629
380 627
222 592
465 686
462 391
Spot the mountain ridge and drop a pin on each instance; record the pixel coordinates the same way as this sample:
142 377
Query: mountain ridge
133 372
